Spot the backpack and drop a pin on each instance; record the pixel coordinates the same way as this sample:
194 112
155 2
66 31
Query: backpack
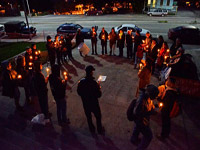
130 115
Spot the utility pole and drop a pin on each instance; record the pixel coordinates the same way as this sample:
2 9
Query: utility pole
26 18
29 12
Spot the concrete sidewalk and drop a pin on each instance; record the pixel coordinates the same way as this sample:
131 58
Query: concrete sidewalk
118 91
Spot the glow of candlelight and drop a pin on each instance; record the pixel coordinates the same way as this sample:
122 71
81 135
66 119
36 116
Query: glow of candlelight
160 104
168 50
31 57
39 52
36 53
158 50
140 65
19 76
65 73
143 41
30 63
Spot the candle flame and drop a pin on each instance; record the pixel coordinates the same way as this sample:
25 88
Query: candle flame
31 57
65 73
19 76
30 63
161 105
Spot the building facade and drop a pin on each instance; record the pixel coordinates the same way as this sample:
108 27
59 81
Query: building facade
170 5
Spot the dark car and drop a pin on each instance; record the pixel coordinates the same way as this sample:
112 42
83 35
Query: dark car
18 28
94 12
187 34
70 29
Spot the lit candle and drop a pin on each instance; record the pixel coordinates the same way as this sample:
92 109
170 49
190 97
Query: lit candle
140 65
158 50
30 63
168 50
160 104
109 37
36 53
143 41
39 52
60 42
165 57
31 57
65 73
47 69
103 37
19 76
132 37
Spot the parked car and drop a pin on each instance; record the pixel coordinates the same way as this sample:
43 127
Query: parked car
187 34
94 12
134 28
19 29
157 12
70 29
2 31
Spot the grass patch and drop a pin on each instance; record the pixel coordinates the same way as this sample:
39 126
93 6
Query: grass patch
8 50
194 22
163 21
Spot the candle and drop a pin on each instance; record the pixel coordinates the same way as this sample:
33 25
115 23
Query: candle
47 69
168 50
140 65
132 37
143 41
19 76
109 37
39 51
36 53
65 73
103 37
160 104
31 57
165 57
30 63
60 42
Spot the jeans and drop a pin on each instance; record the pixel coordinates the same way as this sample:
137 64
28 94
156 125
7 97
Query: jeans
112 49
104 46
147 135
61 110
97 113
94 47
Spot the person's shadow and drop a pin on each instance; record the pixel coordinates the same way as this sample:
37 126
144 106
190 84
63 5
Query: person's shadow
92 60
68 139
71 69
78 64
107 145
115 59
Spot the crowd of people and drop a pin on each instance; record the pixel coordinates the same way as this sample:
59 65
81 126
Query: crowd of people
148 55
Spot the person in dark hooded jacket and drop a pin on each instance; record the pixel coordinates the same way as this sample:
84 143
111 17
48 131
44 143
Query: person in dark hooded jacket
58 88
89 90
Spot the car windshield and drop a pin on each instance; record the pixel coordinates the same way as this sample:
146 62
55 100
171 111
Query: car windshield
119 27
78 26
138 29
23 24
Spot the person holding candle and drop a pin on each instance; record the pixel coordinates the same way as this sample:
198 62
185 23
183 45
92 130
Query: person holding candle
69 48
51 50
112 37
9 84
121 42
90 91
62 49
168 98
57 49
29 58
79 39
129 44
35 52
103 36
161 56
152 53
143 109
58 89
144 76
160 41
93 35
175 46
40 86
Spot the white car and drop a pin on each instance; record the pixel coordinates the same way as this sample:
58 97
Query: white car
2 31
158 12
134 28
